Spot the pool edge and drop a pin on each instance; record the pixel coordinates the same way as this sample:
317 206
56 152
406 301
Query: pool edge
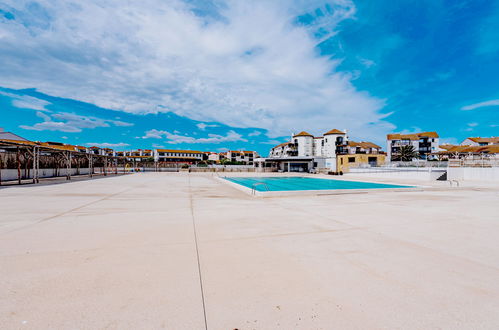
264 194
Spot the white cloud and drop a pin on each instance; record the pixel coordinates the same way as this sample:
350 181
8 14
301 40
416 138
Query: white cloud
481 105
366 62
450 140
173 138
155 145
412 130
120 123
154 134
470 127
69 122
255 133
245 64
203 126
27 102
107 145
272 142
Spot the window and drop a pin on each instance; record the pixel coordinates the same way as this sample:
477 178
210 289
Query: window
351 159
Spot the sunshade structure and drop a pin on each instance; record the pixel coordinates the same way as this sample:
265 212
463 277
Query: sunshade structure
30 156
468 155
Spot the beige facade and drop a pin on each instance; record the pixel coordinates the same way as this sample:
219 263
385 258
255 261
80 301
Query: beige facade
345 162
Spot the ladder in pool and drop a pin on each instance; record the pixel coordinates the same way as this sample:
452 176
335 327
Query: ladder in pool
253 187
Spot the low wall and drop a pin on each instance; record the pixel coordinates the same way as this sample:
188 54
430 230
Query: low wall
159 169
222 169
11 174
473 173
421 174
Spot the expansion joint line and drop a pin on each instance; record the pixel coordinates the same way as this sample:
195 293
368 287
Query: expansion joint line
197 251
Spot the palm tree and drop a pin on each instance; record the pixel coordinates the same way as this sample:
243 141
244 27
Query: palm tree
407 153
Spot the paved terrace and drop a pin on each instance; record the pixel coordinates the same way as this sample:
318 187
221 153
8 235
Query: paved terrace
121 252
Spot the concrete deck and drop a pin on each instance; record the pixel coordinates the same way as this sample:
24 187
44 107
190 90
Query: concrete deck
121 253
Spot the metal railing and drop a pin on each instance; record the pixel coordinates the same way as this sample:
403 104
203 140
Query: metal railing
484 162
253 187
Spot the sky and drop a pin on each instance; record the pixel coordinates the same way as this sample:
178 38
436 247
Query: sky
218 75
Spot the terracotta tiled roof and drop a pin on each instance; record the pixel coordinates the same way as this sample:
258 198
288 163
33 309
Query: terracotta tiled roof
281 145
31 143
494 139
66 147
334 131
415 136
181 151
363 144
490 149
303 133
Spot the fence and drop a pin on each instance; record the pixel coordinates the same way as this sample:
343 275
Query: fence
222 169
25 174
417 163
485 162
218 166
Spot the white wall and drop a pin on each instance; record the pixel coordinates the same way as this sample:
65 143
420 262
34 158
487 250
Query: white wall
473 173
305 145
11 174
331 163
330 145
453 173
419 174
318 148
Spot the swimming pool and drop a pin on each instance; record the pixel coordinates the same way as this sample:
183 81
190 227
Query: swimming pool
301 183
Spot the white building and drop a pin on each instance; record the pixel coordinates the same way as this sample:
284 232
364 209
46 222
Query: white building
479 141
178 156
139 155
305 152
362 148
242 156
424 143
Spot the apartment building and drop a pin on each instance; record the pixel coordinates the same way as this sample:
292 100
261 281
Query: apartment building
360 154
241 156
305 152
216 157
480 141
138 155
424 143
179 156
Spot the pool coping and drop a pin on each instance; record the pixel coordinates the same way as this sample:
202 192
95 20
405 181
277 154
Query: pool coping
321 192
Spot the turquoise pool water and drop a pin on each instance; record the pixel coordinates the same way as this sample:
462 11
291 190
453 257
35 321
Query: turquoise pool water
301 183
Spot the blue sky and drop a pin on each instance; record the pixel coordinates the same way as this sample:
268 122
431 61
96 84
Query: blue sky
232 74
